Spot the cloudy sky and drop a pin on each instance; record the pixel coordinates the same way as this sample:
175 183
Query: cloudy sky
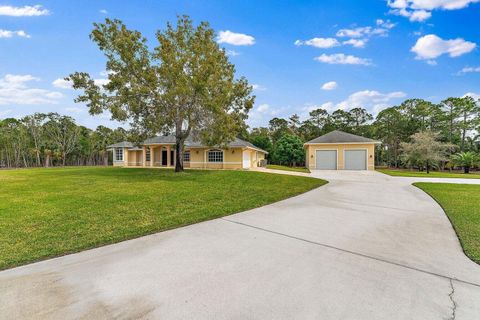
298 55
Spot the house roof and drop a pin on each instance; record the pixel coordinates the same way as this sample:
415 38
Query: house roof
236 143
123 144
338 136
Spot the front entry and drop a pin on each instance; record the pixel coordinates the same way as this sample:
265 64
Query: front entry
246 159
164 157
172 157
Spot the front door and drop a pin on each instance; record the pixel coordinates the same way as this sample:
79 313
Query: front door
246 159
164 157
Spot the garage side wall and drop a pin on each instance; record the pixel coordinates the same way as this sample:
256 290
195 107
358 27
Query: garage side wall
311 160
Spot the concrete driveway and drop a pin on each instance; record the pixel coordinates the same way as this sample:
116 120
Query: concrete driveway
365 246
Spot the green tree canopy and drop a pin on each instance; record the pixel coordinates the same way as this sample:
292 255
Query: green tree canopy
289 150
185 85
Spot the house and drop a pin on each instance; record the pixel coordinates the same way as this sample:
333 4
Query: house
338 150
160 152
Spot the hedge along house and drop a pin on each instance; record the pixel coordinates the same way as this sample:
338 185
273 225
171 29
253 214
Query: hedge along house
338 150
160 152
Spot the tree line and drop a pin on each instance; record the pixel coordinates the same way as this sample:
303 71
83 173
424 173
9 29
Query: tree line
453 121
450 127
44 140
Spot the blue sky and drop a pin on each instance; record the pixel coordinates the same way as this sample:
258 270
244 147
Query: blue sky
300 55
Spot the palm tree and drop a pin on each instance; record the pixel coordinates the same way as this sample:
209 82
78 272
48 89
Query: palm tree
466 160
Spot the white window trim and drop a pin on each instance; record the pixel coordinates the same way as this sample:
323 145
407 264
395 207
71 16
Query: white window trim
189 155
116 154
216 150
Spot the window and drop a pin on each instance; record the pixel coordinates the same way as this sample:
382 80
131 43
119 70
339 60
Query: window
147 155
186 156
215 156
118 154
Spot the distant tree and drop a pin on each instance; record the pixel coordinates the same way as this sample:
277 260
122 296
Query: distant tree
389 128
294 123
342 120
468 110
185 85
289 150
425 150
260 137
360 118
466 160
278 128
63 132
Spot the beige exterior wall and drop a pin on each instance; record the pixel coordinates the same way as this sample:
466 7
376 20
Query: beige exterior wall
232 158
310 153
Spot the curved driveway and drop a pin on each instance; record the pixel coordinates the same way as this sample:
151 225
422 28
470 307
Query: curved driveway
364 246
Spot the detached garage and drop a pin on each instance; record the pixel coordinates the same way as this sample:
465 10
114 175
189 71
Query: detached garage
338 150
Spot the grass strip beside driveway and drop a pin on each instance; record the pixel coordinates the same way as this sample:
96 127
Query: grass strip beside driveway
432 174
51 212
286 168
461 203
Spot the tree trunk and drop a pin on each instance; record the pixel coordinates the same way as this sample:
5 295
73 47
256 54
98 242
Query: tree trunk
466 169
47 161
428 167
105 159
179 154
64 158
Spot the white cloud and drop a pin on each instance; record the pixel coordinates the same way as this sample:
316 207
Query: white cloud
258 87
420 10
431 46
74 110
475 96
10 34
25 11
4 113
103 11
469 70
232 53
382 29
340 58
236 39
62 84
372 100
101 82
263 108
357 43
331 85
14 89
319 43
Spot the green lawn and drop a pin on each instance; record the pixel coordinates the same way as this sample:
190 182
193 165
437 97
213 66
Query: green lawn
432 174
286 168
461 202
51 212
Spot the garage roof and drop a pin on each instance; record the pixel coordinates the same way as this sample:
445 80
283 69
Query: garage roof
338 136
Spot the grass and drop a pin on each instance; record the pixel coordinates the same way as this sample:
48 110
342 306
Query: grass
51 212
286 168
432 174
461 203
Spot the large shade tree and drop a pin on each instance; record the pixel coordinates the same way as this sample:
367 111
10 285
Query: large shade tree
185 85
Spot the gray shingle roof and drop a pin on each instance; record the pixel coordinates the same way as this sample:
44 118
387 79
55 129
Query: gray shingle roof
338 136
237 143
123 144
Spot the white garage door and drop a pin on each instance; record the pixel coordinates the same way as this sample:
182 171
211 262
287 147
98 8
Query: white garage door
326 159
355 159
